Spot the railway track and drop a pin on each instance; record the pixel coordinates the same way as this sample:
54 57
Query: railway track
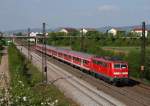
82 88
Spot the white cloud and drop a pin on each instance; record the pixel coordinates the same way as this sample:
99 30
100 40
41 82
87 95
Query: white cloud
107 8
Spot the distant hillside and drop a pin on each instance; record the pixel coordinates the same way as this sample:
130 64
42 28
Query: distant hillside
104 29
25 30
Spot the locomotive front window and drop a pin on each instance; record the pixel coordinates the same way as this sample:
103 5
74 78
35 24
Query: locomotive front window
120 66
117 66
123 66
94 61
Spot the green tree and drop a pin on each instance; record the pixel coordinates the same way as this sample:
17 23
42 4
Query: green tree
19 34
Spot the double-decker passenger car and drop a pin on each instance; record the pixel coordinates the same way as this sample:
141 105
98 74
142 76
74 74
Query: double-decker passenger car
107 68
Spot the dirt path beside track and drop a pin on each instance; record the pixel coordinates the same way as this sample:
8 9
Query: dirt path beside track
4 77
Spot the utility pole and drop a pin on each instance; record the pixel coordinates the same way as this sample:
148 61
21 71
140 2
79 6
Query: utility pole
70 41
143 45
44 60
28 44
82 41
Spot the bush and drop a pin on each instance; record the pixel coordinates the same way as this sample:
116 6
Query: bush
134 63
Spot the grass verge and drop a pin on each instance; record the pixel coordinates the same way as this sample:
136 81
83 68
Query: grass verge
26 89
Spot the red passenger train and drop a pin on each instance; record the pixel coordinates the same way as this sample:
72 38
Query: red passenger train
107 68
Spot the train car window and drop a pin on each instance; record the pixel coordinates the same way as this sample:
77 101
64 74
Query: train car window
85 62
104 64
117 66
55 53
99 63
73 58
76 59
94 61
69 56
123 66
59 54
79 60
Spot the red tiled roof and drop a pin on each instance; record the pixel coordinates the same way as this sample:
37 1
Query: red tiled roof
139 29
70 29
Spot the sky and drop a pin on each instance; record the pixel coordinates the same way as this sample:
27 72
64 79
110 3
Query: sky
21 14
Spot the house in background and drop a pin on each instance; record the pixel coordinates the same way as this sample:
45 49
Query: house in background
139 31
85 30
33 34
67 30
115 31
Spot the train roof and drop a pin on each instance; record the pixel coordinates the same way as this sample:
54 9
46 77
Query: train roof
75 53
81 54
109 59
70 52
47 46
62 50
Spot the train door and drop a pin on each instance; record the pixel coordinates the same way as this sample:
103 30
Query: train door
96 67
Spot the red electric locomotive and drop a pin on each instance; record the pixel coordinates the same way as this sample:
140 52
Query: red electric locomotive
107 68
